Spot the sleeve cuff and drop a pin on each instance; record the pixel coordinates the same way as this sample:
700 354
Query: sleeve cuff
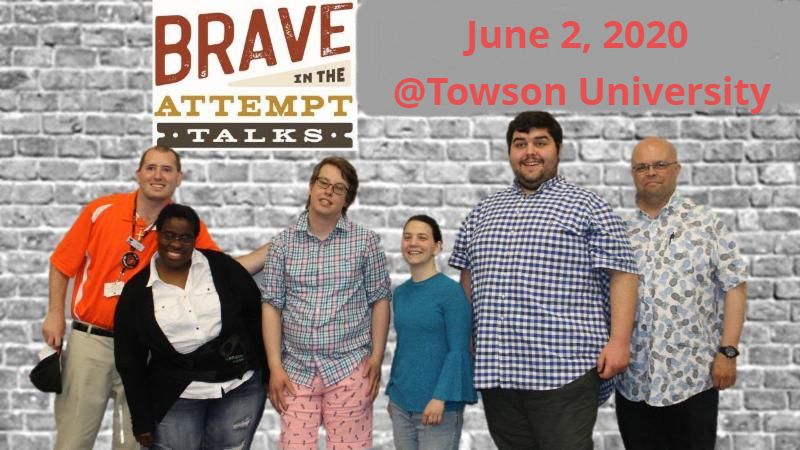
455 379
383 294
458 261
272 301
613 264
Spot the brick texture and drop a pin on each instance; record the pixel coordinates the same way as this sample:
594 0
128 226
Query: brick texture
74 116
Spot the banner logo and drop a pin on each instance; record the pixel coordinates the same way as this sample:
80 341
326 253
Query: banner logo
244 75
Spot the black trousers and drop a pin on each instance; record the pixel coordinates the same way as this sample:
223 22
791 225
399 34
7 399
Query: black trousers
689 425
559 419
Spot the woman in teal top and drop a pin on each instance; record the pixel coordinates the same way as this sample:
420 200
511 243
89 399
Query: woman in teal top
431 378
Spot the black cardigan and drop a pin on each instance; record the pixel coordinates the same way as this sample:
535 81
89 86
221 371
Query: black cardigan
153 373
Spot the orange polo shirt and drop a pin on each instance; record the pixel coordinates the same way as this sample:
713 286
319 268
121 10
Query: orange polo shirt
91 252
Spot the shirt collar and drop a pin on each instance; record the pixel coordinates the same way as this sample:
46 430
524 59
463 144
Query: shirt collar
198 259
130 202
669 208
552 182
302 224
673 202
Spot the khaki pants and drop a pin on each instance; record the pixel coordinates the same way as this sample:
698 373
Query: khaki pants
89 378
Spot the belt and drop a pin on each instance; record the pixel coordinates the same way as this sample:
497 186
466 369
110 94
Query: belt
91 329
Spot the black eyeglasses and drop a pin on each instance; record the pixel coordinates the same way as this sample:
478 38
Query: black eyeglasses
184 239
659 166
338 188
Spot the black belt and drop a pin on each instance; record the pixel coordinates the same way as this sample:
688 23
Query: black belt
91 329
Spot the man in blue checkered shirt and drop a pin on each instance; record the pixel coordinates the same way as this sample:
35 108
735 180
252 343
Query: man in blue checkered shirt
549 270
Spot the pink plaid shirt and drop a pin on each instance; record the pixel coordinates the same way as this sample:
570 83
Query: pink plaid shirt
325 290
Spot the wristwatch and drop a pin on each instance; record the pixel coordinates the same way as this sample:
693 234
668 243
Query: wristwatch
729 351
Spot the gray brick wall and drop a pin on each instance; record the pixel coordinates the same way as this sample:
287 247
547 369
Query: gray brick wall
74 114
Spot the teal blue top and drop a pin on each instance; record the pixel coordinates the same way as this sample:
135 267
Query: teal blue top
433 320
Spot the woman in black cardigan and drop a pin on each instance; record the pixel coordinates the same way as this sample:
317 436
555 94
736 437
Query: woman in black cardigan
188 343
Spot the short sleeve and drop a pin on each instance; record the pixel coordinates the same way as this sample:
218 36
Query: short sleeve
377 282
71 251
274 281
609 245
731 268
459 259
204 239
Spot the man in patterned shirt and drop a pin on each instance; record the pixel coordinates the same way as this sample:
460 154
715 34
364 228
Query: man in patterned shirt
544 262
691 311
326 317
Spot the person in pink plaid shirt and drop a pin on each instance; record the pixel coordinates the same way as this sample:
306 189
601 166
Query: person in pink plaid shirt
326 317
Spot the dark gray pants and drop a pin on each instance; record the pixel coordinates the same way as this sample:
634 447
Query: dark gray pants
559 419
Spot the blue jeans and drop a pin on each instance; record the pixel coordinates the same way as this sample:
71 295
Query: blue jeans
411 434
218 423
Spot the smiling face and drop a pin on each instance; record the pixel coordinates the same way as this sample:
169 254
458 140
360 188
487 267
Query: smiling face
533 156
176 240
324 202
653 184
418 245
158 176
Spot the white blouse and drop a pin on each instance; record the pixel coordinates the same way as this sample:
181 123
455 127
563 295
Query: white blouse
190 317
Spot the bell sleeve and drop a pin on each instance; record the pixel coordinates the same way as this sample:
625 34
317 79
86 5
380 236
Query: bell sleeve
455 379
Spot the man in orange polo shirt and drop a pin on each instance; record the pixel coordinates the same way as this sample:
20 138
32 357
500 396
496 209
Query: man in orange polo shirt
111 240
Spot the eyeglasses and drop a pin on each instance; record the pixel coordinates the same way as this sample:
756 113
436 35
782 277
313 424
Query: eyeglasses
184 239
658 166
338 188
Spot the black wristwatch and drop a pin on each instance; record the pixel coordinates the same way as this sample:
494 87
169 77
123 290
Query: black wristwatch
729 351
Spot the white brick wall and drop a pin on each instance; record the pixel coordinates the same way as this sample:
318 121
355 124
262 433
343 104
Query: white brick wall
74 115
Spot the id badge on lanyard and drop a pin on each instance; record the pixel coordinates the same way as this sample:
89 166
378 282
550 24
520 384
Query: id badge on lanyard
129 260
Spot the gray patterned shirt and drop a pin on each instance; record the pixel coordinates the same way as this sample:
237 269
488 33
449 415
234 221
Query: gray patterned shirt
687 261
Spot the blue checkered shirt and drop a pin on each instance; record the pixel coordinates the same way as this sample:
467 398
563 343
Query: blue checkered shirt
325 290
539 291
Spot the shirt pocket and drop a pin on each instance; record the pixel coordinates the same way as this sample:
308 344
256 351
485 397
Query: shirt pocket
168 314
566 231
347 273
207 304
301 273
568 225
563 242
686 264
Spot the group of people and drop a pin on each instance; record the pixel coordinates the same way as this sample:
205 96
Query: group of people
560 301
